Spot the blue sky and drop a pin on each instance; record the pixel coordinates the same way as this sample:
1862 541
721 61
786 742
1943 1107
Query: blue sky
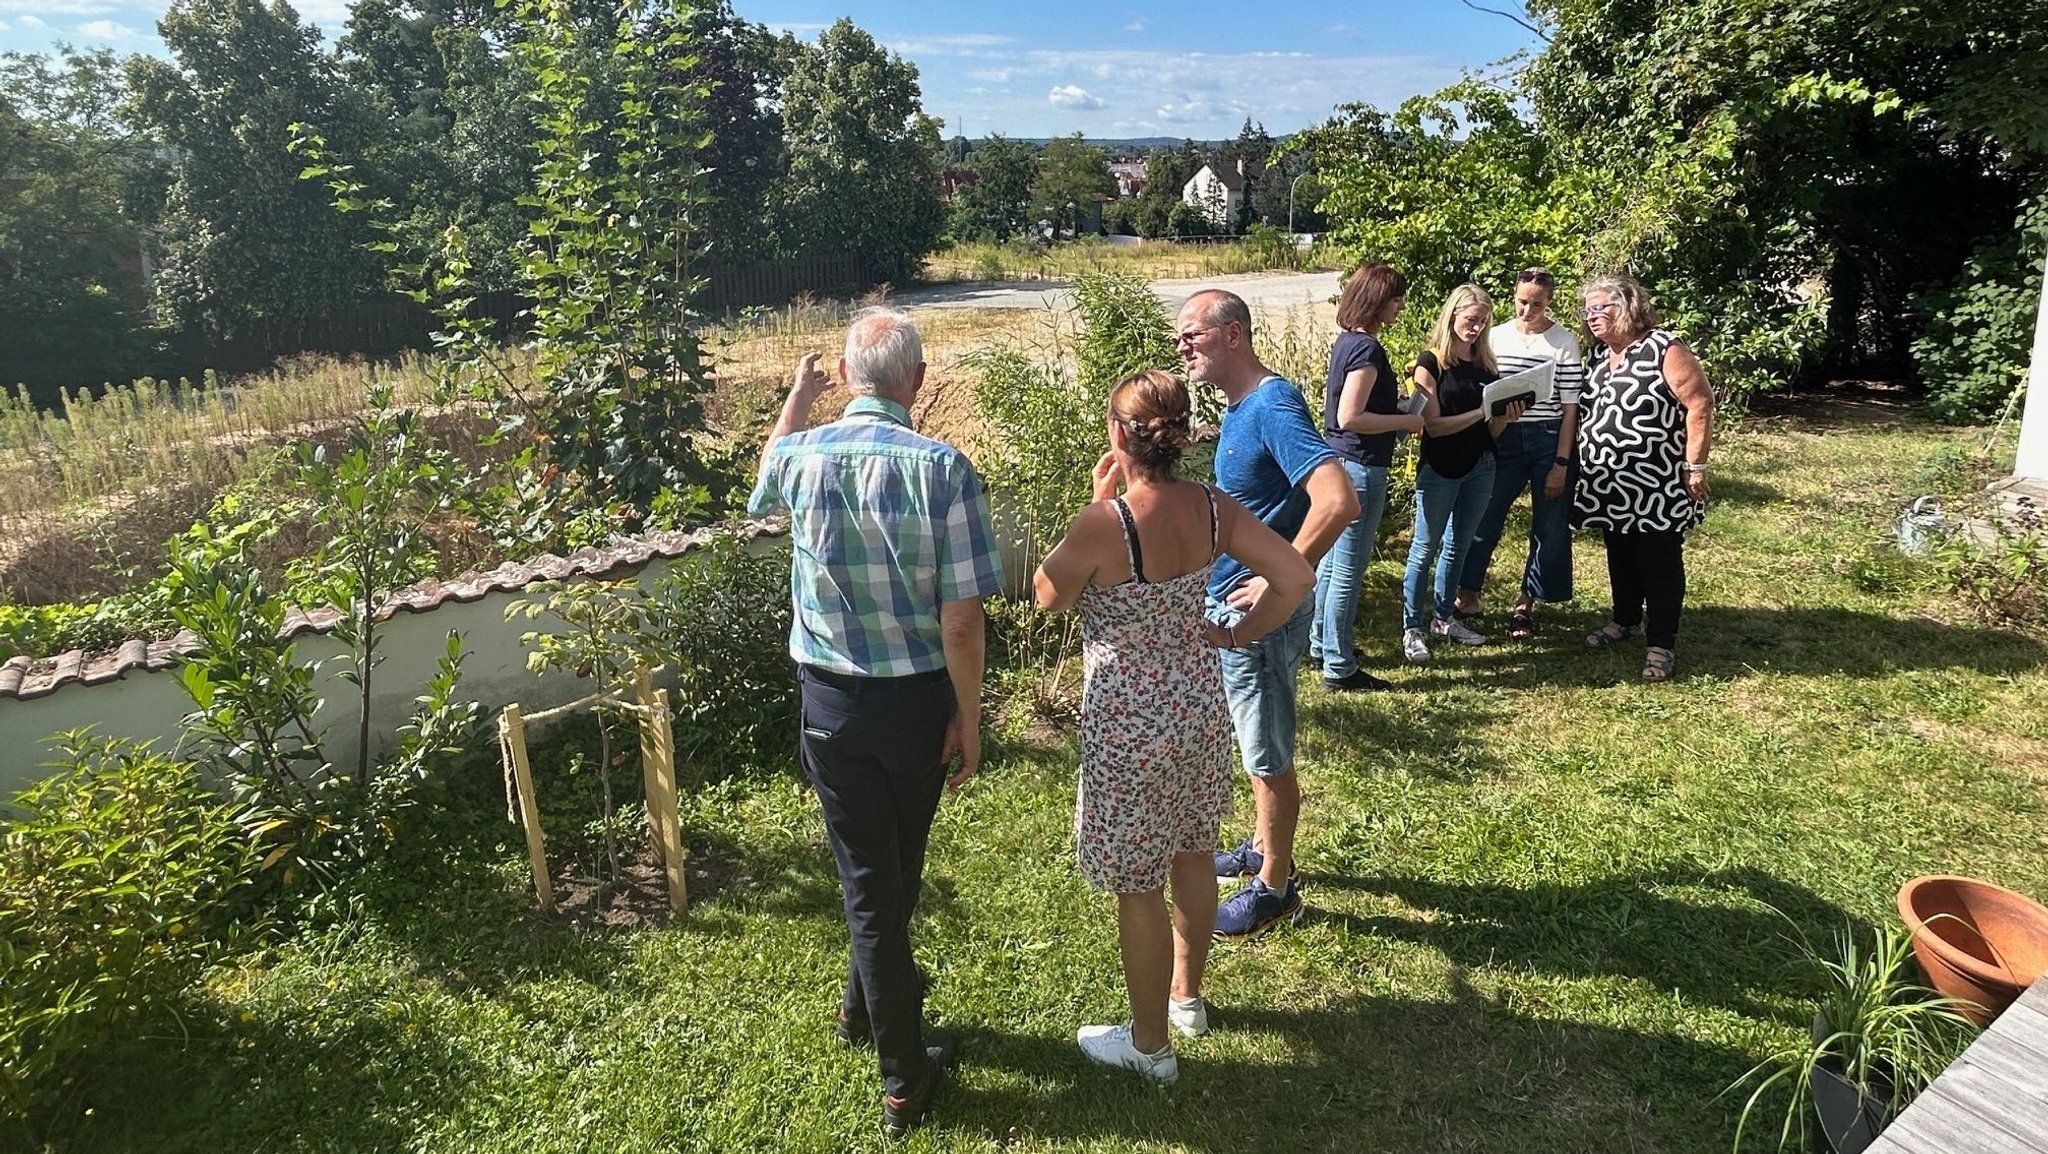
1107 68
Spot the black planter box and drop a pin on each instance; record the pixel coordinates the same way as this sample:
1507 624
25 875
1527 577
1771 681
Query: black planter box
1845 1119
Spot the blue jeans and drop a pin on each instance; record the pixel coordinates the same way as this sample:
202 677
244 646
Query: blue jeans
1523 456
1259 680
1342 569
1446 513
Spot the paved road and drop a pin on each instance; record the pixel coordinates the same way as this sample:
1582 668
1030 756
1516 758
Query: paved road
1262 291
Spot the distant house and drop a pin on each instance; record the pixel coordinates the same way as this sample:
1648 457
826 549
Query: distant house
1130 176
1216 193
952 180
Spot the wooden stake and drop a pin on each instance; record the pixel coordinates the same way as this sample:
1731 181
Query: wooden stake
643 696
658 770
512 736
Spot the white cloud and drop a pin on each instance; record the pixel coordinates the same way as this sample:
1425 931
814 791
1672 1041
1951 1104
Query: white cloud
970 44
3 25
27 8
1149 92
105 30
1135 26
1073 96
29 20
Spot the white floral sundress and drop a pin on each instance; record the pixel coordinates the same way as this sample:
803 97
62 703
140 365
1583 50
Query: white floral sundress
1155 729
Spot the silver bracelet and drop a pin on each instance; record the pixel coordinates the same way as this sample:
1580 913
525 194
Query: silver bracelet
1233 635
1689 467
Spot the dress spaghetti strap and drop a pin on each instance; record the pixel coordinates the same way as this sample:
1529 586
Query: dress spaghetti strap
1131 546
1211 490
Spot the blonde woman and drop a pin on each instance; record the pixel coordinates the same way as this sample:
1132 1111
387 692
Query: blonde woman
1454 481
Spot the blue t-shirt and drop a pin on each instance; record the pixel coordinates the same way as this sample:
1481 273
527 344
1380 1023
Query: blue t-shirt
1268 446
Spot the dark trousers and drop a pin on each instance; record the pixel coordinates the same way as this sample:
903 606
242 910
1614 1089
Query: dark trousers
1647 571
871 747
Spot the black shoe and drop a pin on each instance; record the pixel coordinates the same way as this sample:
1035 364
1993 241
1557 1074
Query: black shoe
1358 681
902 1115
857 1033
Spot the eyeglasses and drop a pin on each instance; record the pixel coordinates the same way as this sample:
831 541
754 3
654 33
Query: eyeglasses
1592 311
1535 276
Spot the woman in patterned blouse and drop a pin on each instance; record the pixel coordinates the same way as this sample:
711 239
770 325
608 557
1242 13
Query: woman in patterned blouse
1647 421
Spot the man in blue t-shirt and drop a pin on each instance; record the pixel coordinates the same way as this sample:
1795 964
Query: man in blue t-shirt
1272 458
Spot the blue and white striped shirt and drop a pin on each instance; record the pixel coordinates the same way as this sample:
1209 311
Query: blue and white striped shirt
1516 351
885 524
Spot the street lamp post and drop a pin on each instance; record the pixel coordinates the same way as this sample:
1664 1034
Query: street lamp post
1290 200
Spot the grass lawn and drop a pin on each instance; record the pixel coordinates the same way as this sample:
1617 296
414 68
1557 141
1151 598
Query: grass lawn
1541 901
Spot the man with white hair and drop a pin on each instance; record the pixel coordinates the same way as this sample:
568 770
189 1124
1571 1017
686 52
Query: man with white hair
892 552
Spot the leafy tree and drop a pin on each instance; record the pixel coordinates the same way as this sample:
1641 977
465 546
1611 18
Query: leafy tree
72 297
1816 142
862 177
1449 188
1287 194
456 140
608 262
997 206
247 246
1167 172
742 68
1071 173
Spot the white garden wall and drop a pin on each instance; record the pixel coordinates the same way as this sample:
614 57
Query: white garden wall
149 704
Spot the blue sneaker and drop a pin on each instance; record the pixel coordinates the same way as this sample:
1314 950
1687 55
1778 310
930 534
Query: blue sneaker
1256 909
1242 862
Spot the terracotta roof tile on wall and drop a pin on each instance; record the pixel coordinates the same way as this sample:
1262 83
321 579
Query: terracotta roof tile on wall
23 677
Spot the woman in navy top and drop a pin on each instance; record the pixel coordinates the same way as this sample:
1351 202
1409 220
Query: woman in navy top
1362 417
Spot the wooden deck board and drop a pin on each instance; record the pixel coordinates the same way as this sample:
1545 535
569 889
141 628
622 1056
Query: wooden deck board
1992 1100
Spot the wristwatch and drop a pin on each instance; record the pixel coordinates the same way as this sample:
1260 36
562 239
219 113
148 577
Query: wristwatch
1562 462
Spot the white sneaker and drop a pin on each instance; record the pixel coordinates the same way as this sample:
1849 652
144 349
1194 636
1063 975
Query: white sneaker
1457 631
1111 1046
1191 1017
1415 645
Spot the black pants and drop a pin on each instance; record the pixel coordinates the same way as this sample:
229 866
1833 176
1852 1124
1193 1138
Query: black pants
871 746
1647 571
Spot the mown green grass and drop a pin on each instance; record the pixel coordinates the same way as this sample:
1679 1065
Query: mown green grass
1542 902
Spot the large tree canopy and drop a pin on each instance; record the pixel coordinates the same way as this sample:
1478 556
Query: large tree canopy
863 170
1800 182
245 243
72 299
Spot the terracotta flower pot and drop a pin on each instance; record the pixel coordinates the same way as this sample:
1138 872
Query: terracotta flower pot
1976 941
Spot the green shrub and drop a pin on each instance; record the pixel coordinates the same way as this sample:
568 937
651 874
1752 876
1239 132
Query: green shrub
721 621
119 882
1980 328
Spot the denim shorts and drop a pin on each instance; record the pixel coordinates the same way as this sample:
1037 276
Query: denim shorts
1259 680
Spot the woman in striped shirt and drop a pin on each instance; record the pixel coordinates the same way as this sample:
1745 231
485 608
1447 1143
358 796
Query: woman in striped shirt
1535 453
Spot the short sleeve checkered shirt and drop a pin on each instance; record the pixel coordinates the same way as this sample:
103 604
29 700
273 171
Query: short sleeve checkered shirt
885 525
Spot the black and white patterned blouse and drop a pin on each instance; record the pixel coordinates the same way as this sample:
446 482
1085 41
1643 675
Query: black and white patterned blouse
1631 444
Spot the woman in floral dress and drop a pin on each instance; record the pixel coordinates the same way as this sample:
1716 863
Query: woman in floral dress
1155 732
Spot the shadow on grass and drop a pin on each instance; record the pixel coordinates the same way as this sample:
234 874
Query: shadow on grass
1733 642
1369 1073
1435 737
361 1075
1734 956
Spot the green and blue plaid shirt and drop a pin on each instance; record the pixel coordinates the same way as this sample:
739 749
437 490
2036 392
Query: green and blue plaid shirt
885 524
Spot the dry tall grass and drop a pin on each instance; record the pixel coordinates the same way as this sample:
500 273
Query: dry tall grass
1151 259
90 492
